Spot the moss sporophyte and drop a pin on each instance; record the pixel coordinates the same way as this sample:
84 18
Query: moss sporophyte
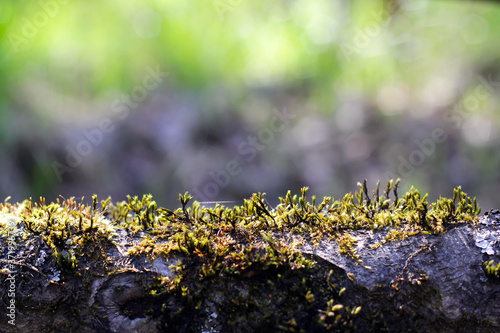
238 241
234 238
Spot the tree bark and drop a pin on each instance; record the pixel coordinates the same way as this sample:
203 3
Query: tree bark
422 283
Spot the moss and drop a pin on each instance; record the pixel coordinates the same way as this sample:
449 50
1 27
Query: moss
236 243
491 269
233 239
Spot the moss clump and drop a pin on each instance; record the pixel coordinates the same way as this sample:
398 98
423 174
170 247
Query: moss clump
233 239
491 269
253 240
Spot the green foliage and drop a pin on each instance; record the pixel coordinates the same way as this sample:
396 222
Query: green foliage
186 38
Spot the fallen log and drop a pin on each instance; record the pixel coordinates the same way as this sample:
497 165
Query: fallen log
380 264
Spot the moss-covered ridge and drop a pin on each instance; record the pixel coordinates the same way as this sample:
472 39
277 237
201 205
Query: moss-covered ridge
225 237
200 230
214 246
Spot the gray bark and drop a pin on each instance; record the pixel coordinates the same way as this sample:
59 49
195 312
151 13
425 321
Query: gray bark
424 283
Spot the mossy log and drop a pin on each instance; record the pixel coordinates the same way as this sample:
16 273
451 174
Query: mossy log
380 264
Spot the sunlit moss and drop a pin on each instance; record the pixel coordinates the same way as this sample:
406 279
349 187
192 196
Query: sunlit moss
491 269
235 238
253 239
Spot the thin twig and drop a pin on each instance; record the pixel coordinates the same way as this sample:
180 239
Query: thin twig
23 265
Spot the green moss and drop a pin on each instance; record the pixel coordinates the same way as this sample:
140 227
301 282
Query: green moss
237 243
491 269
233 239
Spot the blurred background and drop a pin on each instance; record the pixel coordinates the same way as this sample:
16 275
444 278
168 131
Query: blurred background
223 98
